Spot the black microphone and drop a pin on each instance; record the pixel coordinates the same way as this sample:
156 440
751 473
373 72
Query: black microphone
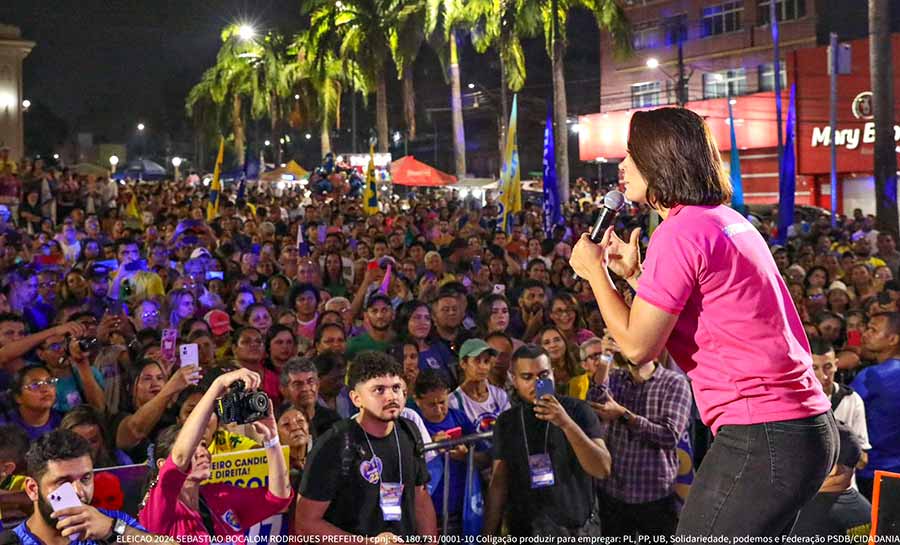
613 203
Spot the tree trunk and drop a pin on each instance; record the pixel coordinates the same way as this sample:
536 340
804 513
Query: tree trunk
325 138
237 128
409 101
885 158
459 132
560 129
273 137
504 108
381 114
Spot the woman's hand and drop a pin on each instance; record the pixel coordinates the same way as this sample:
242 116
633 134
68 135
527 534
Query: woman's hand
587 256
624 258
182 378
251 379
266 428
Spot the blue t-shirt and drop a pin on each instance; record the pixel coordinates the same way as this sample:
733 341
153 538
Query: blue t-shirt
70 391
454 419
27 538
878 386
439 358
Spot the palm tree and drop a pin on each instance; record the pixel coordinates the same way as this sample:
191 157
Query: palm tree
358 31
321 80
406 39
245 70
549 17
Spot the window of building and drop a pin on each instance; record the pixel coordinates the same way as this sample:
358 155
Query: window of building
645 94
767 76
725 83
646 35
675 28
722 18
785 10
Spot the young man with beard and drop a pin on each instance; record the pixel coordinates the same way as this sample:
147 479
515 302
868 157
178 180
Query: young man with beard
379 316
61 457
367 475
547 452
530 317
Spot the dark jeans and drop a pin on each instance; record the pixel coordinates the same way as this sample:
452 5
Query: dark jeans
756 478
656 518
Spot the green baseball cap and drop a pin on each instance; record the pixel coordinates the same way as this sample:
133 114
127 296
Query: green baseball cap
474 347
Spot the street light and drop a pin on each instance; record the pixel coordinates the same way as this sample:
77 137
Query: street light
246 32
576 128
471 86
141 127
297 97
113 161
26 104
56 157
268 143
176 162
308 136
653 63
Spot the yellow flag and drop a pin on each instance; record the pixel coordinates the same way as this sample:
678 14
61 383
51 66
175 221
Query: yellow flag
370 192
215 189
132 210
510 187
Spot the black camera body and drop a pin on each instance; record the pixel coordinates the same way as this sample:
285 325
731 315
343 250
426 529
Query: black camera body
88 344
240 406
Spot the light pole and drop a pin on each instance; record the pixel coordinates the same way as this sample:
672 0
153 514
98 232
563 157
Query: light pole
176 162
140 128
680 78
113 161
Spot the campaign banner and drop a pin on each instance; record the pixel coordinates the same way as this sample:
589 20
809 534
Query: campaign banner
246 469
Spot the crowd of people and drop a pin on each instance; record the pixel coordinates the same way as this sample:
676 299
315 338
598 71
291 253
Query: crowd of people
374 336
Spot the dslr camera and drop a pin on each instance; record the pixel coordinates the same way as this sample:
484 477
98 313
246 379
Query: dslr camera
242 407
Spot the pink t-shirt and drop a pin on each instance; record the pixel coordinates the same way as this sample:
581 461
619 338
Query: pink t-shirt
738 335
233 509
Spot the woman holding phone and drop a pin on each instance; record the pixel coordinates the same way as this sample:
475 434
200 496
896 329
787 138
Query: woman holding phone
710 292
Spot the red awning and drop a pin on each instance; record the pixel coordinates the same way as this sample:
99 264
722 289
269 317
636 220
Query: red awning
408 171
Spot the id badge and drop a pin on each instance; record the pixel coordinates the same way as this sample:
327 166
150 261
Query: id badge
541 469
391 496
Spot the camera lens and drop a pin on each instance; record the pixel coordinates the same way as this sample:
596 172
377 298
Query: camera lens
258 402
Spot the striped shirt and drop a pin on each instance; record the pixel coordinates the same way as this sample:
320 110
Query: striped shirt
644 456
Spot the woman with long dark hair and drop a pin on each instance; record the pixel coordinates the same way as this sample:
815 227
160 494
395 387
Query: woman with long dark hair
709 291
414 323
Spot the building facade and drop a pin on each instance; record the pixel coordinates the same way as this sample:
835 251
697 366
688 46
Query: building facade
13 50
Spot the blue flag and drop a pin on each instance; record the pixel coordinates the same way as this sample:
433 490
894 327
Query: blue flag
551 207
788 173
473 508
737 197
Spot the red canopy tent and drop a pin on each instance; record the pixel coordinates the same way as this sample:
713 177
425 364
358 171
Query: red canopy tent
408 171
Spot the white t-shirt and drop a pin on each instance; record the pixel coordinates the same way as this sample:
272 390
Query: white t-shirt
482 415
852 412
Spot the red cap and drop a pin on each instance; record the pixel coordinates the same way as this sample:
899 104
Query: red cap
219 322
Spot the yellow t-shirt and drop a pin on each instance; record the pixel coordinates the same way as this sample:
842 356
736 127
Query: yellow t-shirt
225 442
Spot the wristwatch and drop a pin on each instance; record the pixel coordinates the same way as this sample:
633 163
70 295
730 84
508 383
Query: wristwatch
118 529
626 417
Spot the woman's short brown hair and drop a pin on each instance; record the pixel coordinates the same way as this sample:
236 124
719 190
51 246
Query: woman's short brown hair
676 154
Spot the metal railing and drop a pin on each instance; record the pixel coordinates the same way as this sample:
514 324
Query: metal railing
446 446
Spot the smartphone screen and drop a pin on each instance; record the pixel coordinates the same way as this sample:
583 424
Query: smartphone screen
854 338
215 275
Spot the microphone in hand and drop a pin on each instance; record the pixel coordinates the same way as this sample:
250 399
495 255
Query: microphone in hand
613 203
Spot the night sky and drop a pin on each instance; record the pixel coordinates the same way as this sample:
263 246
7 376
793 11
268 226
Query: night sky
105 65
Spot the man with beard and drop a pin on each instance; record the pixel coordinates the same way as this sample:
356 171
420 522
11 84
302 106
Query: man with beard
367 475
300 386
525 323
379 316
63 457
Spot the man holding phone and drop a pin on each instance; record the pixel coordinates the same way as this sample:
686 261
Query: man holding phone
547 451
58 462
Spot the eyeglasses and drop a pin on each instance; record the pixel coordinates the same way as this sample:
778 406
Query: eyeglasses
56 347
594 356
48 284
37 385
150 314
562 311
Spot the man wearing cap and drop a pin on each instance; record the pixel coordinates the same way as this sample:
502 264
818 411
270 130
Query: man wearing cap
378 317
481 401
220 326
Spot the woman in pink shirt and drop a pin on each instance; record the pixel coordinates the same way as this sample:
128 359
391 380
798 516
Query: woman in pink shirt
709 291
177 505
